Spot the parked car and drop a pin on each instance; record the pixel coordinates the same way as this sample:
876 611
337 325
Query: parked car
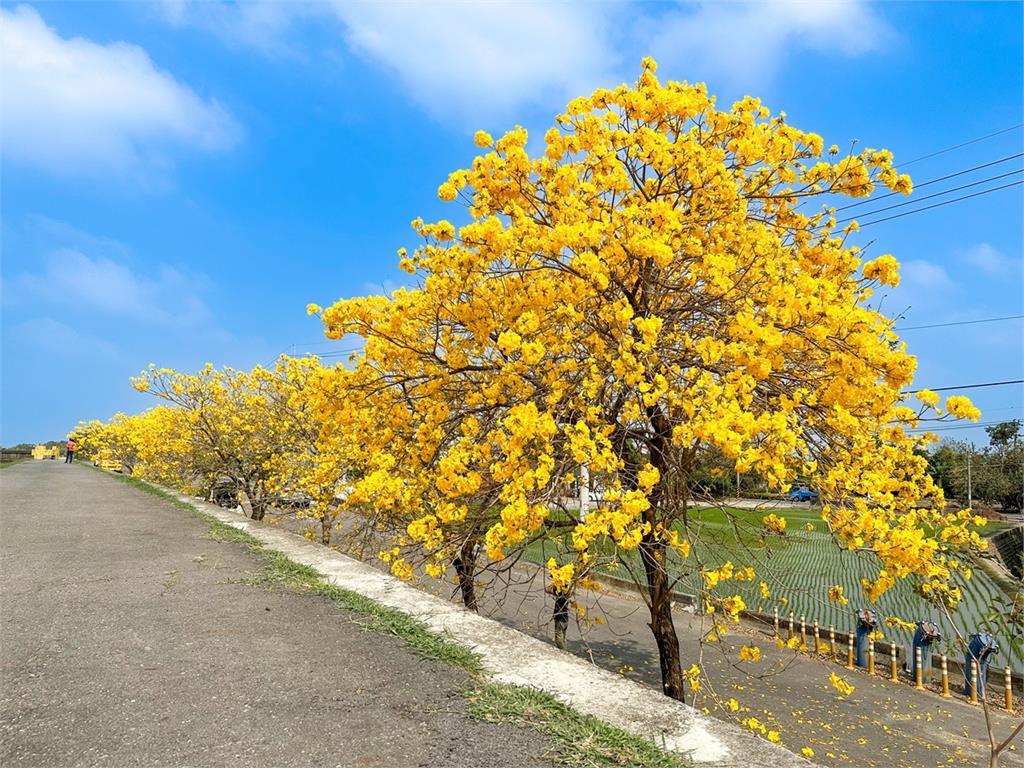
224 493
292 500
802 493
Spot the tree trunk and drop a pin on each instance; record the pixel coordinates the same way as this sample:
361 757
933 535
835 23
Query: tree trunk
258 507
465 569
325 531
653 555
655 561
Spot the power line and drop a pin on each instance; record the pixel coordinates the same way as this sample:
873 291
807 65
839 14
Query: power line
923 184
313 344
340 352
962 144
959 322
967 386
934 194
956 426
939 205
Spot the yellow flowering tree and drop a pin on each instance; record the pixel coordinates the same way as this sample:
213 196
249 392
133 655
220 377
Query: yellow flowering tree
658 286
238 426
311 459
95 436
155 444
415 471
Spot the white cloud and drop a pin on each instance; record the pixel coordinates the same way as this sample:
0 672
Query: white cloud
39 230
82 285
743 44
989 260
471 60
474 58
919 273
61 340
259 25
75 107
479 62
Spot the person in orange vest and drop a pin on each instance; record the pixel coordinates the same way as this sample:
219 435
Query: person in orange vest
69 456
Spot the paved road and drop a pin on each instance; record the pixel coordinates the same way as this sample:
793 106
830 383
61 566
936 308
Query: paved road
128 641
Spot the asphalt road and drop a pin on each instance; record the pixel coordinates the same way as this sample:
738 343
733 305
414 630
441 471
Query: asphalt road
128 640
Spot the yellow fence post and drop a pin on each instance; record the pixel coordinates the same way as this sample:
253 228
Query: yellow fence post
778 632
919 676
974 681
832 641
792 625
893 673
849 651
817 639
945 677
1008 686
871 656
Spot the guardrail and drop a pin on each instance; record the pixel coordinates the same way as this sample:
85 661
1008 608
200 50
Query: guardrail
995 676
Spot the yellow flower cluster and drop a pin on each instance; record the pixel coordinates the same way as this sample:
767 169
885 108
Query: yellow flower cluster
750 653
561 576
839 684
898 623
835 594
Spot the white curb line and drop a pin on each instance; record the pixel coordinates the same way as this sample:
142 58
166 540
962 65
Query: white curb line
509 656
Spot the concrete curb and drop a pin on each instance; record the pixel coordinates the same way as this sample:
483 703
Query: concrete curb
509 656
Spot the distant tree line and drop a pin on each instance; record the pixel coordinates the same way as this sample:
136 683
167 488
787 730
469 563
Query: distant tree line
30 446
993 474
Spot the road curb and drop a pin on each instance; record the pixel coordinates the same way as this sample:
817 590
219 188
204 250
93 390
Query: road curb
509 656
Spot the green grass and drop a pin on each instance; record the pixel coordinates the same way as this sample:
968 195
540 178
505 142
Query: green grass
583 741
280 571
218 531
580 740
5 464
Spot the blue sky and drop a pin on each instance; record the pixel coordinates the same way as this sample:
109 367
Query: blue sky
180 179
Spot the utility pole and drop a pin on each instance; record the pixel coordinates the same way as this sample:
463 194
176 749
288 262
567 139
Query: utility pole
969 501
584 482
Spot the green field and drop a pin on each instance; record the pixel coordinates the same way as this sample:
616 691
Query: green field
802 566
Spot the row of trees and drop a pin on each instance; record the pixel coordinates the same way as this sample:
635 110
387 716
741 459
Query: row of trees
655 294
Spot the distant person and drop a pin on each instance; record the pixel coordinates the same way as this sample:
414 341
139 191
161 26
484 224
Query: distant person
560 614
69 455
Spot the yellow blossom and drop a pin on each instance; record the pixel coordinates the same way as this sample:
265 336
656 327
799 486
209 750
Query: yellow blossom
839 684
750 653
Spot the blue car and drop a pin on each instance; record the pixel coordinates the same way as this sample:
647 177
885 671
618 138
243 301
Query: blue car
801 493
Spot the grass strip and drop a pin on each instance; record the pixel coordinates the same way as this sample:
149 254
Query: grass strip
583 741
281 571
